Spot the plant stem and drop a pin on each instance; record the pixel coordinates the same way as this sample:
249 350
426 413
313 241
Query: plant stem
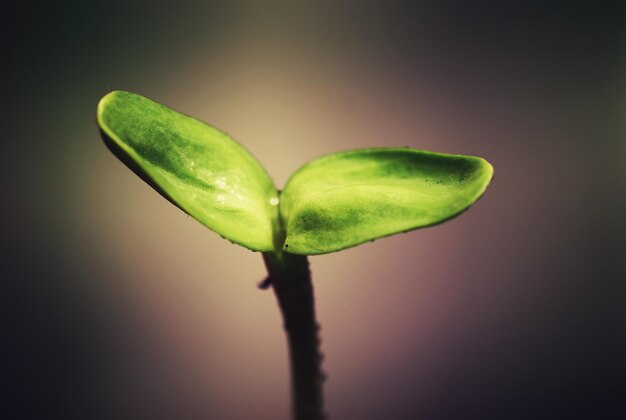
291 280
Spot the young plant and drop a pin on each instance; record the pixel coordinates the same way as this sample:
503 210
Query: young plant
331 203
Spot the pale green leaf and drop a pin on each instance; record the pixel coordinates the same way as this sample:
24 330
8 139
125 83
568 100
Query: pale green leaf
345 199
195 166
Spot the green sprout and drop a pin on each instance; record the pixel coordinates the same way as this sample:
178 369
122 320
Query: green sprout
331 203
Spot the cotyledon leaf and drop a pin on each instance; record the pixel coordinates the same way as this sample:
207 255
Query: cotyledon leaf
344 199
195 166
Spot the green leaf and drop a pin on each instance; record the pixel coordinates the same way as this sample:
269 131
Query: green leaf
195 166
345 199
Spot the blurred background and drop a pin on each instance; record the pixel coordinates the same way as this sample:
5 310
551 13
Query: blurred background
116 305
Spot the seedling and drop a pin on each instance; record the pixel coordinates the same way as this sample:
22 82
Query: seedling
331 203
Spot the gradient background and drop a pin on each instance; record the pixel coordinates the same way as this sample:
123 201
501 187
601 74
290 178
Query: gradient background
118 306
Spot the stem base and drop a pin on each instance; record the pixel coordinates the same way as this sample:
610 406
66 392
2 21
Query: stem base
291 280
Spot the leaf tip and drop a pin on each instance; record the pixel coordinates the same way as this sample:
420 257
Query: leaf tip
108 99
488 167
105 100
487 170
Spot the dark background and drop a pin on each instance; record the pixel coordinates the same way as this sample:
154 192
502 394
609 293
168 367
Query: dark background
118 306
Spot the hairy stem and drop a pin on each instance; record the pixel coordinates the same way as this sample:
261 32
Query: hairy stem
291 280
